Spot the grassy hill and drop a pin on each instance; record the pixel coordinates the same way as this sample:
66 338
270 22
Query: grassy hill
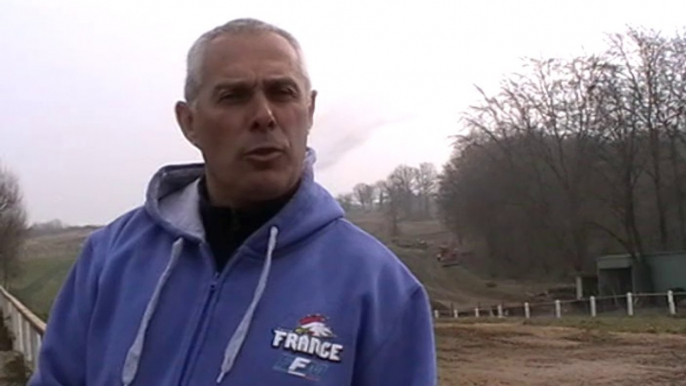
48 258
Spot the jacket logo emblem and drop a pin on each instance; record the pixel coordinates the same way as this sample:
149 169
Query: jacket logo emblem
309 344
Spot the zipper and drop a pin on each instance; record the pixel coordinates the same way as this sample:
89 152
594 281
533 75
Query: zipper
202 324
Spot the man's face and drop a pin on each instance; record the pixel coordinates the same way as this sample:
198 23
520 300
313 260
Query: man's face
251 118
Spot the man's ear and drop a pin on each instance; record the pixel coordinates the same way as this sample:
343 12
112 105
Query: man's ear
313 102
184 117
311 107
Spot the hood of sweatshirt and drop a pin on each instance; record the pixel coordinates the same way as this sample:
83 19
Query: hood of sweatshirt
173 202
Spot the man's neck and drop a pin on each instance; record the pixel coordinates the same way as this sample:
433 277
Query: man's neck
244 206
210 200
226 228
219 198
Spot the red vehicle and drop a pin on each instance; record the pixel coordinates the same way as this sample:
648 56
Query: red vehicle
448 256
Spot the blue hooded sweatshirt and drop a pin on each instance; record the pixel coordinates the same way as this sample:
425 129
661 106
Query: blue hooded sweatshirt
308 299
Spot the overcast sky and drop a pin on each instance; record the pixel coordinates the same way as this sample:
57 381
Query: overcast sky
87 88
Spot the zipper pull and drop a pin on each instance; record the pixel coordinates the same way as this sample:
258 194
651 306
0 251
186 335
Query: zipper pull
213 285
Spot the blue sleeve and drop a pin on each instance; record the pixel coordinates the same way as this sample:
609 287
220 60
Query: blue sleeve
62 356
407 356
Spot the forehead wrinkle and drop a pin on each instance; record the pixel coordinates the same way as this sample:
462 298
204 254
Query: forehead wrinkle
283 62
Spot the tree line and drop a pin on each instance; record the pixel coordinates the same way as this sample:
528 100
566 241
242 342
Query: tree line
408 193
574 158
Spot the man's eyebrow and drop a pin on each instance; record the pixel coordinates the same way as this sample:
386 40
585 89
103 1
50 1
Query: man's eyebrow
280 79
230 84
246 84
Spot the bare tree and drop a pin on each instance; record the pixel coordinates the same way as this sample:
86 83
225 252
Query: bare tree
643 56
427 183
381 194
392 210
364 194
12 225
674 78
402 189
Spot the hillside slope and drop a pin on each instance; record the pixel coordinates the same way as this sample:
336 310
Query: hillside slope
455 284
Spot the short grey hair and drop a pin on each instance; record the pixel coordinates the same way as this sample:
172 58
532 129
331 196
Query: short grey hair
196 54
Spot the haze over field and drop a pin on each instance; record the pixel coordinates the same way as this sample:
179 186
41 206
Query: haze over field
87 88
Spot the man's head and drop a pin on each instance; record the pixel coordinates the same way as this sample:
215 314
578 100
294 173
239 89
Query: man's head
249 108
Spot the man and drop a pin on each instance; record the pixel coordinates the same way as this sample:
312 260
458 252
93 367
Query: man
241 270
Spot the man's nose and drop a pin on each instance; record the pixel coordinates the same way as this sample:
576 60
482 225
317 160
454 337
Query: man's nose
263 115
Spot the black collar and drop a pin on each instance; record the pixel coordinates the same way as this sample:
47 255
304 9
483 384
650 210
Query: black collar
226 228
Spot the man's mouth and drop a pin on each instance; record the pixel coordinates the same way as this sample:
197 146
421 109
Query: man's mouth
264 154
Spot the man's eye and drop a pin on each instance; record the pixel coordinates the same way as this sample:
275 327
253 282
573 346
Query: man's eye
285 92
228 96
233 96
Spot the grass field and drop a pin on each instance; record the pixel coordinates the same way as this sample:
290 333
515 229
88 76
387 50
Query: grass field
38 284
45 263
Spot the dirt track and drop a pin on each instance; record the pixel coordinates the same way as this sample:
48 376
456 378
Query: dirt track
513 354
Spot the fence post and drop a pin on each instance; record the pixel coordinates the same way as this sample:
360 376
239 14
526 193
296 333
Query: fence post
670 302
500 310
579 288
476 312
558 309
593 309
18 330
629 304
28 346
35 348
527 311
455 313
39 343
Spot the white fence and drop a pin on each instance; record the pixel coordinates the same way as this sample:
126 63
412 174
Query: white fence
654 304
26 329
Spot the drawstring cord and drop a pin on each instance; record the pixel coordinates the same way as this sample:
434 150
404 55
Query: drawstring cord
134 354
